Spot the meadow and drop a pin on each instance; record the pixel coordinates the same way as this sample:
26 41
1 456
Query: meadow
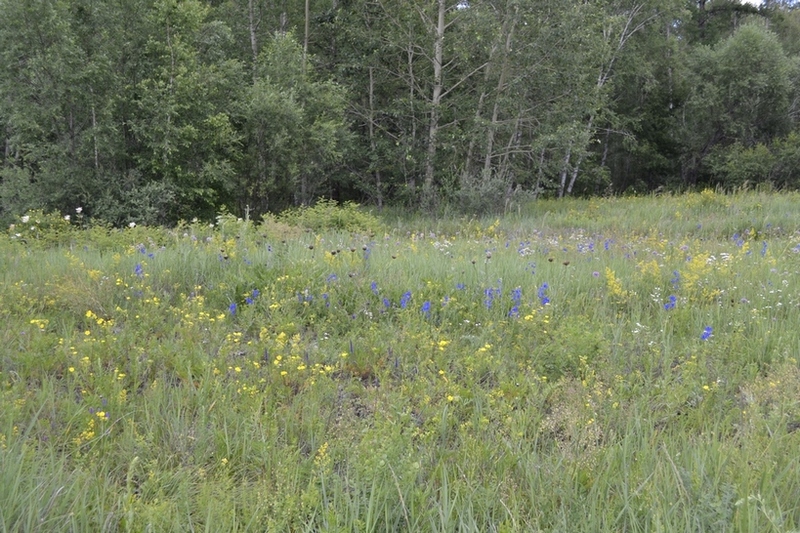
621 364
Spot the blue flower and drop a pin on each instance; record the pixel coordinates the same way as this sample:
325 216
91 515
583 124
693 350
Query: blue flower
252 298
514 312
232 308
676 279
541 294
490 294
516 295
386 303
671 303
139 271
764 249
707 333
405 299
461 286
331 278
426 308
325 297
374 287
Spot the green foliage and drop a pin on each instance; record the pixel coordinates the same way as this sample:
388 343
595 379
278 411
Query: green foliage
740 166
741 97
155 111
41 230
774 165
329 215
294 126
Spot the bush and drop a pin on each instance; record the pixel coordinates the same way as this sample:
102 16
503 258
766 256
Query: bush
37 228
329 215
787 161
737 166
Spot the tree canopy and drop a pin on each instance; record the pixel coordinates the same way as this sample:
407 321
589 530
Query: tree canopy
158 110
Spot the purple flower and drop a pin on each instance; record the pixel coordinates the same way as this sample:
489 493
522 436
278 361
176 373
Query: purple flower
707 333
405 299
516 295
596 274
489 300
541 294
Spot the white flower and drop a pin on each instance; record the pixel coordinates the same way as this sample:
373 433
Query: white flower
25 219
66 217
79 210
132 225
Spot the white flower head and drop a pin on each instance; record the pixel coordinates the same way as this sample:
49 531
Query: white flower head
132 225
79 210
25 219
66 217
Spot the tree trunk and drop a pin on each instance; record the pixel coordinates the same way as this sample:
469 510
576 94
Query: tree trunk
509 32
412 180
564 170
372 145
252 25
305 38
438 52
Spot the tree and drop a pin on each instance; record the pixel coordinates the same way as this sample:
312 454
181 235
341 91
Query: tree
294 129
740 94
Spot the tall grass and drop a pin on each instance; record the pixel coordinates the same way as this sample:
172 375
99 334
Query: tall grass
599 365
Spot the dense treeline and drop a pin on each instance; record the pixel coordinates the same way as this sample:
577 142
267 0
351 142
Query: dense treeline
156 110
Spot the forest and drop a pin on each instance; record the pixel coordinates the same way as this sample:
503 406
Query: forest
155 111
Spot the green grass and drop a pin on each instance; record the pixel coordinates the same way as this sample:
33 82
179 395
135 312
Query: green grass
146 386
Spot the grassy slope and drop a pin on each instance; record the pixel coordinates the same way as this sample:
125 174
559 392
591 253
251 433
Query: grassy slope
145 385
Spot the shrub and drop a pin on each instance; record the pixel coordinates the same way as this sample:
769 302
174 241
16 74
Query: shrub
330 215
37 228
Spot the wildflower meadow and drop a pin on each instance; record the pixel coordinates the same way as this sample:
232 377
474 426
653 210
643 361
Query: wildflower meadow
621 364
